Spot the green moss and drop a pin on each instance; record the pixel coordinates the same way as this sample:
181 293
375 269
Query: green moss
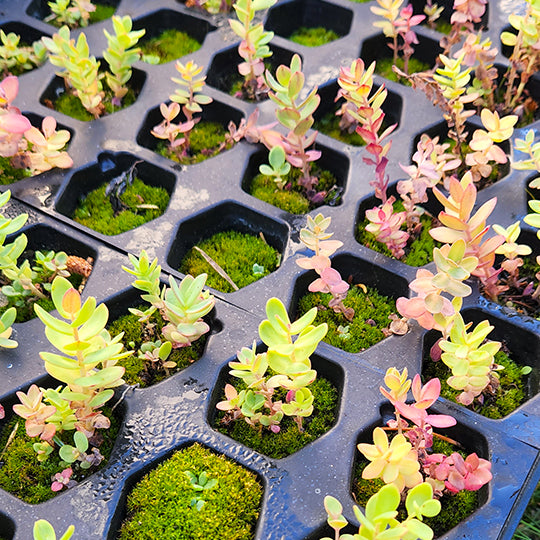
169 45
205 139
25 477
102 12
138 371
313 37
159 505
384 68
289 439
96 211
329 125
10 174
71 105
454 508
292 199
443 26
236 253
510 395
419 250
371 315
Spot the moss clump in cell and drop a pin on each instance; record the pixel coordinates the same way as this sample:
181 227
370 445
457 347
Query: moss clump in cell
206 140
313 37
10 174
371 316
25 477
419 249
137 370
96 210
384 68
71 105
169 45
161 504
102 12
289 439
329 125
510 395
292 198
454 508
236 253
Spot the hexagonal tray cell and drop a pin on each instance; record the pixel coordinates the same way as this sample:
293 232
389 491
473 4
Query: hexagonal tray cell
148 373
173 504
327 122
383 288
287 17
44 238
22 474
441 130
228 216
7 527
221 76
163 20
39 9
327 390
376 49
418 252
214 112
57 88
28 36
521 345
112 167
453 508
332 161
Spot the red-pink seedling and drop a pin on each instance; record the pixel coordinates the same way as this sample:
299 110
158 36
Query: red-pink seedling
12 123
404 27
62 480
425 396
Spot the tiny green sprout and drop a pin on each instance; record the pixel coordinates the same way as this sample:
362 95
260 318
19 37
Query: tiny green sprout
258 270
70 454
43 530
526 370
200 483
343 332
278 168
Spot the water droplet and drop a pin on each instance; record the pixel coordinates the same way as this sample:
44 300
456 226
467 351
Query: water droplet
9 366
317 491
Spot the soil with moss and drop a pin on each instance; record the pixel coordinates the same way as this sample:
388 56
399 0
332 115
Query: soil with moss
140 203
162 504
25 477
9 173
70 105
372 311
454 508
313 37
206 140
384 68
289 439
292 198
511 393
329 125
135 334
169 45
513 298
102 12
25 304
419 249
236 253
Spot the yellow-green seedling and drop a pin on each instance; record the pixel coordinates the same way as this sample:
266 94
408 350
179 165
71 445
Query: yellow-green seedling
43 530
471 359
73 13
289 360
532 150
253 47
200 483
277 167
379 521
183 306
16 57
